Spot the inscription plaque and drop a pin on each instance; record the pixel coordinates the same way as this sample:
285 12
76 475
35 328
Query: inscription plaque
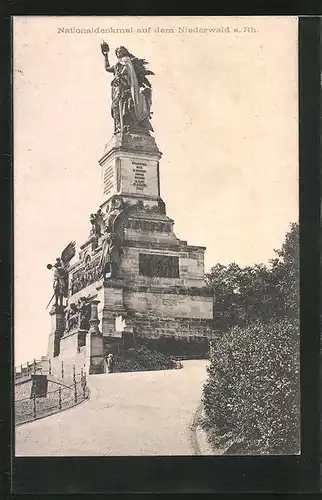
109 179
163 266
139 173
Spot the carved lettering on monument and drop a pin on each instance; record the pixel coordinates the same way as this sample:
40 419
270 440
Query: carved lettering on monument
118 174
139 173
108 179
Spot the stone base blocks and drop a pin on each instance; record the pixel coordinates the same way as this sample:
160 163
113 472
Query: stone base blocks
141 280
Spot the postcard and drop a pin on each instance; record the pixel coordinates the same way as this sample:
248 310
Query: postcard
156 235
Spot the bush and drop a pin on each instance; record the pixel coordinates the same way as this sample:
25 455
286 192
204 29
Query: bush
252 391
142 359
187 348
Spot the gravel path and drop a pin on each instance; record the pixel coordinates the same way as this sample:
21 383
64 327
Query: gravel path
139 413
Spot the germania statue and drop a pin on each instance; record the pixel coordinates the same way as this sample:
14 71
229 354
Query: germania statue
131 91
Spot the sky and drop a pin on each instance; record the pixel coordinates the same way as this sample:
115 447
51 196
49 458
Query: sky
225 116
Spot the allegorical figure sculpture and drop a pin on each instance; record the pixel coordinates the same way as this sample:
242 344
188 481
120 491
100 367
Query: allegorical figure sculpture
97 222
72 317
84 309
111 256
111 249
78 315
131 91
98 225
60 281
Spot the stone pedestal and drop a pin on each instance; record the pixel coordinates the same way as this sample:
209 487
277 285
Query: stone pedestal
71 343
94 342
158 287
124 330
113 295
57 330
130 166
81 338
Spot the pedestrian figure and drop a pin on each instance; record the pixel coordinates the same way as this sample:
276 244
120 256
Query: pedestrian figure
110 363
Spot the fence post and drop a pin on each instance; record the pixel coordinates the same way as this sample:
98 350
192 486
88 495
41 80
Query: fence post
74 373
84 384
59 397
35 410
75 390
34 366
62 369
27 367
49 368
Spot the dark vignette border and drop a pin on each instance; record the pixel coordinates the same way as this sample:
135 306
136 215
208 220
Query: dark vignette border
5 255
183 474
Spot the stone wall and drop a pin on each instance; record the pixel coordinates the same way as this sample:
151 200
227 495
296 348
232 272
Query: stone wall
152 326
162 237
79 359
191 267
69 344
169 304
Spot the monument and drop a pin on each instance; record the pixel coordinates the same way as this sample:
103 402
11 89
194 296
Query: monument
133 278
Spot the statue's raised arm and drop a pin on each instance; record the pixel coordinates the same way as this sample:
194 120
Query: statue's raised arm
105 50
131 91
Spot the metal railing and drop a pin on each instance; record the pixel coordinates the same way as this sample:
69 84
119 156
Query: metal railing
29 368
62 398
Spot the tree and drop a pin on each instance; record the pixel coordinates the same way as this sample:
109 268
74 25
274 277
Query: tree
285 273
252 390
242 295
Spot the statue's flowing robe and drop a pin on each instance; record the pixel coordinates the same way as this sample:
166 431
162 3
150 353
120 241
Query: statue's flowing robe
105 255
140 105
110 253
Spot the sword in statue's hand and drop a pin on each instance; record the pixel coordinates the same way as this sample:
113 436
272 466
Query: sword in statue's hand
50 301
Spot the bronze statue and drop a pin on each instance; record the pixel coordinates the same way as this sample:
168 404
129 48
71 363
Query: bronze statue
114 209
131 91
72 317
84 309
97 222
111 255
61 266
78 315
111 249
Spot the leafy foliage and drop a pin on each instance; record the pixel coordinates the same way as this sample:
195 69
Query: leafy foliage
251 397
186 348
242 295
285 273
141 359
252 391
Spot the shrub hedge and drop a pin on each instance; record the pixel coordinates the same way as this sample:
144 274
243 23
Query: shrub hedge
187 348
252 391
141 359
